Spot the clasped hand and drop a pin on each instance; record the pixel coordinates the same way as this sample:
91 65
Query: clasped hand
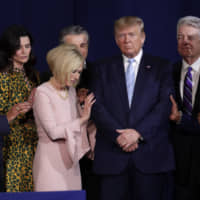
128 139
21 108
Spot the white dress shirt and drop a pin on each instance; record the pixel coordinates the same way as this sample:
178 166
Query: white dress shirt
135 64
195 77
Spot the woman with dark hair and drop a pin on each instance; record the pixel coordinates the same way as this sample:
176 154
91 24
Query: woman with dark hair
17 82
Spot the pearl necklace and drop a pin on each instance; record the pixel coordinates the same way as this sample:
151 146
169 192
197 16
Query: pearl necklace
61 95
62 92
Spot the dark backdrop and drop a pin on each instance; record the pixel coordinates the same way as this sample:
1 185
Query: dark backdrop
45 18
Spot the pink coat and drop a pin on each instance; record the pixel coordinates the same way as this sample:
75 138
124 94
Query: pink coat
62 141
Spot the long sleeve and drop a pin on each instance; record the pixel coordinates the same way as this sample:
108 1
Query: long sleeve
53 120
189 125
100 114
44 111
4 93
158 117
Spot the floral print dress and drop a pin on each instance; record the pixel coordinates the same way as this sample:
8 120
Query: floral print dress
20 144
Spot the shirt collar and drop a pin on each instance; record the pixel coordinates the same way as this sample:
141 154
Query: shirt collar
195 66
84 64
137 58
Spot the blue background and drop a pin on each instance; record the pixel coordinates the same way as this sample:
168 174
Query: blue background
45 18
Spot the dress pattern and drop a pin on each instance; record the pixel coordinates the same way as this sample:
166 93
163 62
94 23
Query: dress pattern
20 144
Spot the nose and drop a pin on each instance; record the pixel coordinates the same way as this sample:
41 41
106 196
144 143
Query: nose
126 38
185 39
23 49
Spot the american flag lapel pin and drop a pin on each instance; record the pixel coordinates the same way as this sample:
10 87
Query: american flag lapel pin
148 67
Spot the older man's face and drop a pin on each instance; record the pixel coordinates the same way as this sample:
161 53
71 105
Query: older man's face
80 41
188 38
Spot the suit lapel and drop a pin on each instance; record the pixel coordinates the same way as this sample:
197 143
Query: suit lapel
141 85
177 78
196 108
120 81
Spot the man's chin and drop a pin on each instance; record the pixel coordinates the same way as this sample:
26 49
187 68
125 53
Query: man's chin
129 54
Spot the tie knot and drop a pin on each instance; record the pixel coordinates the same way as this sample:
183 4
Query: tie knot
130 61
189 69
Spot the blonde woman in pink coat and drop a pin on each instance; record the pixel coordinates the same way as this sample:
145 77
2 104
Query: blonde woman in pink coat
61 123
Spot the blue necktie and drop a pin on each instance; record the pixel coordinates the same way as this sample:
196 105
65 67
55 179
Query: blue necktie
130 80
187 92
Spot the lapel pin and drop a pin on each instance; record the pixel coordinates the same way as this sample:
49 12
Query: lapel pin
148 67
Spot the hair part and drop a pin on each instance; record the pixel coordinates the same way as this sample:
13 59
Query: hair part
72 30
127 21
63 60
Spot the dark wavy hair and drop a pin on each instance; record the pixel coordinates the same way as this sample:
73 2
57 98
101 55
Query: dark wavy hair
9 44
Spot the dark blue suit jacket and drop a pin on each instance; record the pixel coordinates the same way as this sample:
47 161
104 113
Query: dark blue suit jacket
186 137
149 115
4 125
4 130
188 124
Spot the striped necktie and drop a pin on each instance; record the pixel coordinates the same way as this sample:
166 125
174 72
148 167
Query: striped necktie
187 92
130 80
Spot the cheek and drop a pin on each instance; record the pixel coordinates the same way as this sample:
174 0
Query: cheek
29 51
71 76
181 43
17 54
66 82
16 57
83 52
119 42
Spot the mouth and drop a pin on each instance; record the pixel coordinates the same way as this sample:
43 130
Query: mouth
24 57
73 81
186 49
128 47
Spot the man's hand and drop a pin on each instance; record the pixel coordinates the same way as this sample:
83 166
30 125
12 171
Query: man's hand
128 139
131 148
82 94
175 114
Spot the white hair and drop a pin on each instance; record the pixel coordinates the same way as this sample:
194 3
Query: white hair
189 21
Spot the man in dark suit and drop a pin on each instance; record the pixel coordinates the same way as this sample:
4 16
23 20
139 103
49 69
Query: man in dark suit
78 36
185 114
133 154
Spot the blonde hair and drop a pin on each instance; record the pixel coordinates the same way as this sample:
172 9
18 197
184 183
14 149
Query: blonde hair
62 60
127 21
